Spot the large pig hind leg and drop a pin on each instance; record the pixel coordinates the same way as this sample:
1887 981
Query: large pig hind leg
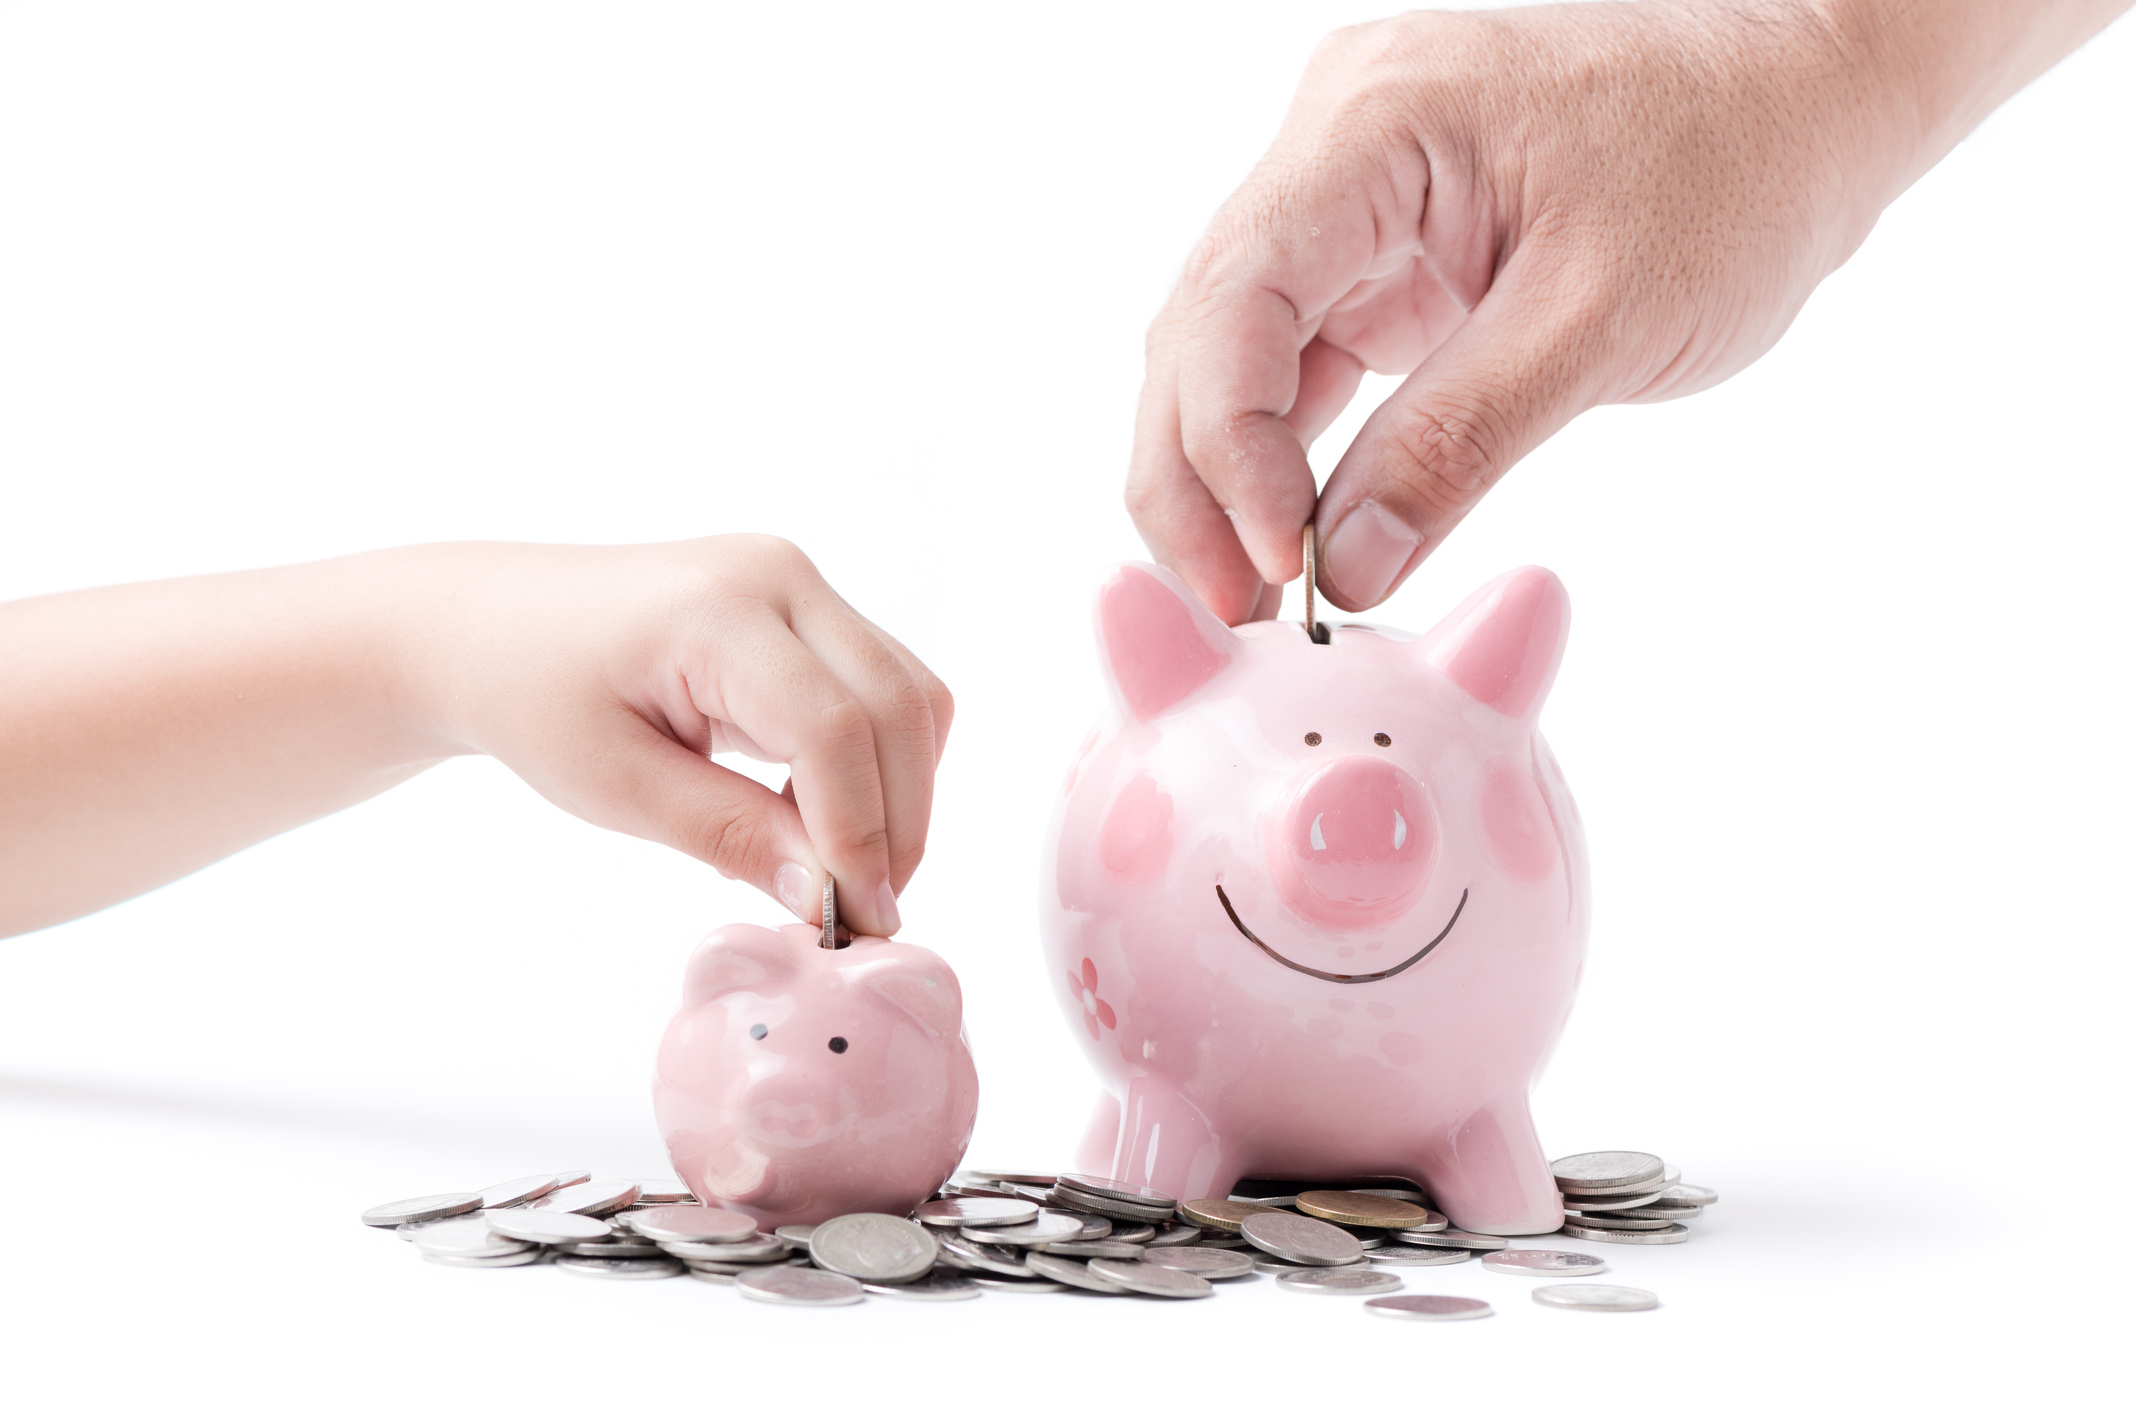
1165 1144
1489 1174
1101 1138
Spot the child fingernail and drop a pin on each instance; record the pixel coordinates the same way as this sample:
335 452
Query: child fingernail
790 885
886 903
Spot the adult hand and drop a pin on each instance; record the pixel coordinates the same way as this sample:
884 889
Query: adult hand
1528 213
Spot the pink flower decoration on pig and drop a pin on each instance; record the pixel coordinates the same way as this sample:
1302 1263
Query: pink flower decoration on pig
1085 992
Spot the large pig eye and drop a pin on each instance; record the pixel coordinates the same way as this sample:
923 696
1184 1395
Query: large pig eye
1381 738
1312 738
758 1031
838 1045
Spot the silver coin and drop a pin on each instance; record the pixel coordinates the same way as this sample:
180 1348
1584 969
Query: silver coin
1314 1242
945 1287
1140 1233
1280 1201
791 1286
1543 1262
958 1253
1177 1237
409 1231
988 1213
1659 1211
1018 1177
1118 1189
1078 1202
1453 1238
1048 1227
414 1211
708 1273
526 1258
1676 1234
1681 1196
614 1248
1595 1296
1616 1224
1429 1308
1094 1226
796 1234
1598 1170
1338 1281
572 1177
635 1269
1017 1284
1071 1272
664 1192
466 1238
764 1248
519 1191
594 1197
873 1248
1148 1278
1610 1203
1095 1248
690 1223
545 1226
1414 1255
1211 1263
1367 1239
1390 1192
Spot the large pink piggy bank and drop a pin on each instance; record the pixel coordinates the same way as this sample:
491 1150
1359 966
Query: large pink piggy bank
1319 910
797 1083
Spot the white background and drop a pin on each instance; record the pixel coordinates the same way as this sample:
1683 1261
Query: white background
1845 705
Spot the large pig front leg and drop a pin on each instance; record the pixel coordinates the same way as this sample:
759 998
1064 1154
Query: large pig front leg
1489 1174
1167 1145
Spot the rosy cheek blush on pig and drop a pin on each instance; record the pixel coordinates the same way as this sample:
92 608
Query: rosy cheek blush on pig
1317 911
798 1083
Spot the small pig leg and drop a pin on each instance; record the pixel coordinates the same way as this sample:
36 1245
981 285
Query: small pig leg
1166 1145
1489 1175
1101 1138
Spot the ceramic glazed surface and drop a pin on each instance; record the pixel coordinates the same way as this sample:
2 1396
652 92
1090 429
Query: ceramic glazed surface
1318 910
797 1084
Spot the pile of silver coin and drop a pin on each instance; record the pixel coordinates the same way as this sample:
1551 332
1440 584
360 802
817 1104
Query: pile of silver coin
998 1231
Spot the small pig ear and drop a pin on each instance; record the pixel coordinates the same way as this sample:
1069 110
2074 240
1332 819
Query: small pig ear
1502 645
925 990
1158 644
736 958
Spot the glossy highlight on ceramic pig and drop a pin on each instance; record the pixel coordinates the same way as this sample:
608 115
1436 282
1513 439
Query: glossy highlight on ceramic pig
798 1083
1319 910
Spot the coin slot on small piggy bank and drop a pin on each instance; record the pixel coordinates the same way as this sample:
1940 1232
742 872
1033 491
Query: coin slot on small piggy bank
798 1082
1318 911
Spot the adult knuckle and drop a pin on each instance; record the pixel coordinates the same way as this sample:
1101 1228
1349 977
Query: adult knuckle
729 839
1453 453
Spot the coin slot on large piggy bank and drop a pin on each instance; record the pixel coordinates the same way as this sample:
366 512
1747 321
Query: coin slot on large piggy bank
1333 896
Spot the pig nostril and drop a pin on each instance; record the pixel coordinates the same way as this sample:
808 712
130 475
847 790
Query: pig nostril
838 1045
758 1031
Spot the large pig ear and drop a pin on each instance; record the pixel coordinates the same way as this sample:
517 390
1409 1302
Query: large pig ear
740 957
926 990
1502 645
1158 644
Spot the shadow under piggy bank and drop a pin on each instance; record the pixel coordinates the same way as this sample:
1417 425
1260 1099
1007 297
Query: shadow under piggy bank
796 1083
1319 910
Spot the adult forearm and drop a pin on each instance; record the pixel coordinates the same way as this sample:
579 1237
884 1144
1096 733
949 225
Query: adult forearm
147 730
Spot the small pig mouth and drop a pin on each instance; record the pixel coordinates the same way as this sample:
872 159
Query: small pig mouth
1388 973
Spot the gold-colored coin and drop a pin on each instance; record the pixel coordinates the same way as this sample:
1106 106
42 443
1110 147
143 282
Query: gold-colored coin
1368 1210
1222 1213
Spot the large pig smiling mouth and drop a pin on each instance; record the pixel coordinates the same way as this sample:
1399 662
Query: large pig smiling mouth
1391 971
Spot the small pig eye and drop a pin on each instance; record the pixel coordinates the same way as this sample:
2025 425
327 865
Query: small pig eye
838 1045
1381 738
758 1031
1312 738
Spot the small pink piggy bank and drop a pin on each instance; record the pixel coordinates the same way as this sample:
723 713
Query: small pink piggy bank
796 1083
1319 910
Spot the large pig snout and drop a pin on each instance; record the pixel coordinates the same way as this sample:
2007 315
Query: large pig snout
1356 844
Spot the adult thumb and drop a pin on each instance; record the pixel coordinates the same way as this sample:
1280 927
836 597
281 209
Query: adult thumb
1516 370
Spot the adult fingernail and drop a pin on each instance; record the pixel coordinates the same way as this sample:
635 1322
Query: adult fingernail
886 904
790 885
1366 551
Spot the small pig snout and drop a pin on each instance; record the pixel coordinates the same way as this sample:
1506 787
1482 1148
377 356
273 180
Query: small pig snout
1357 843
